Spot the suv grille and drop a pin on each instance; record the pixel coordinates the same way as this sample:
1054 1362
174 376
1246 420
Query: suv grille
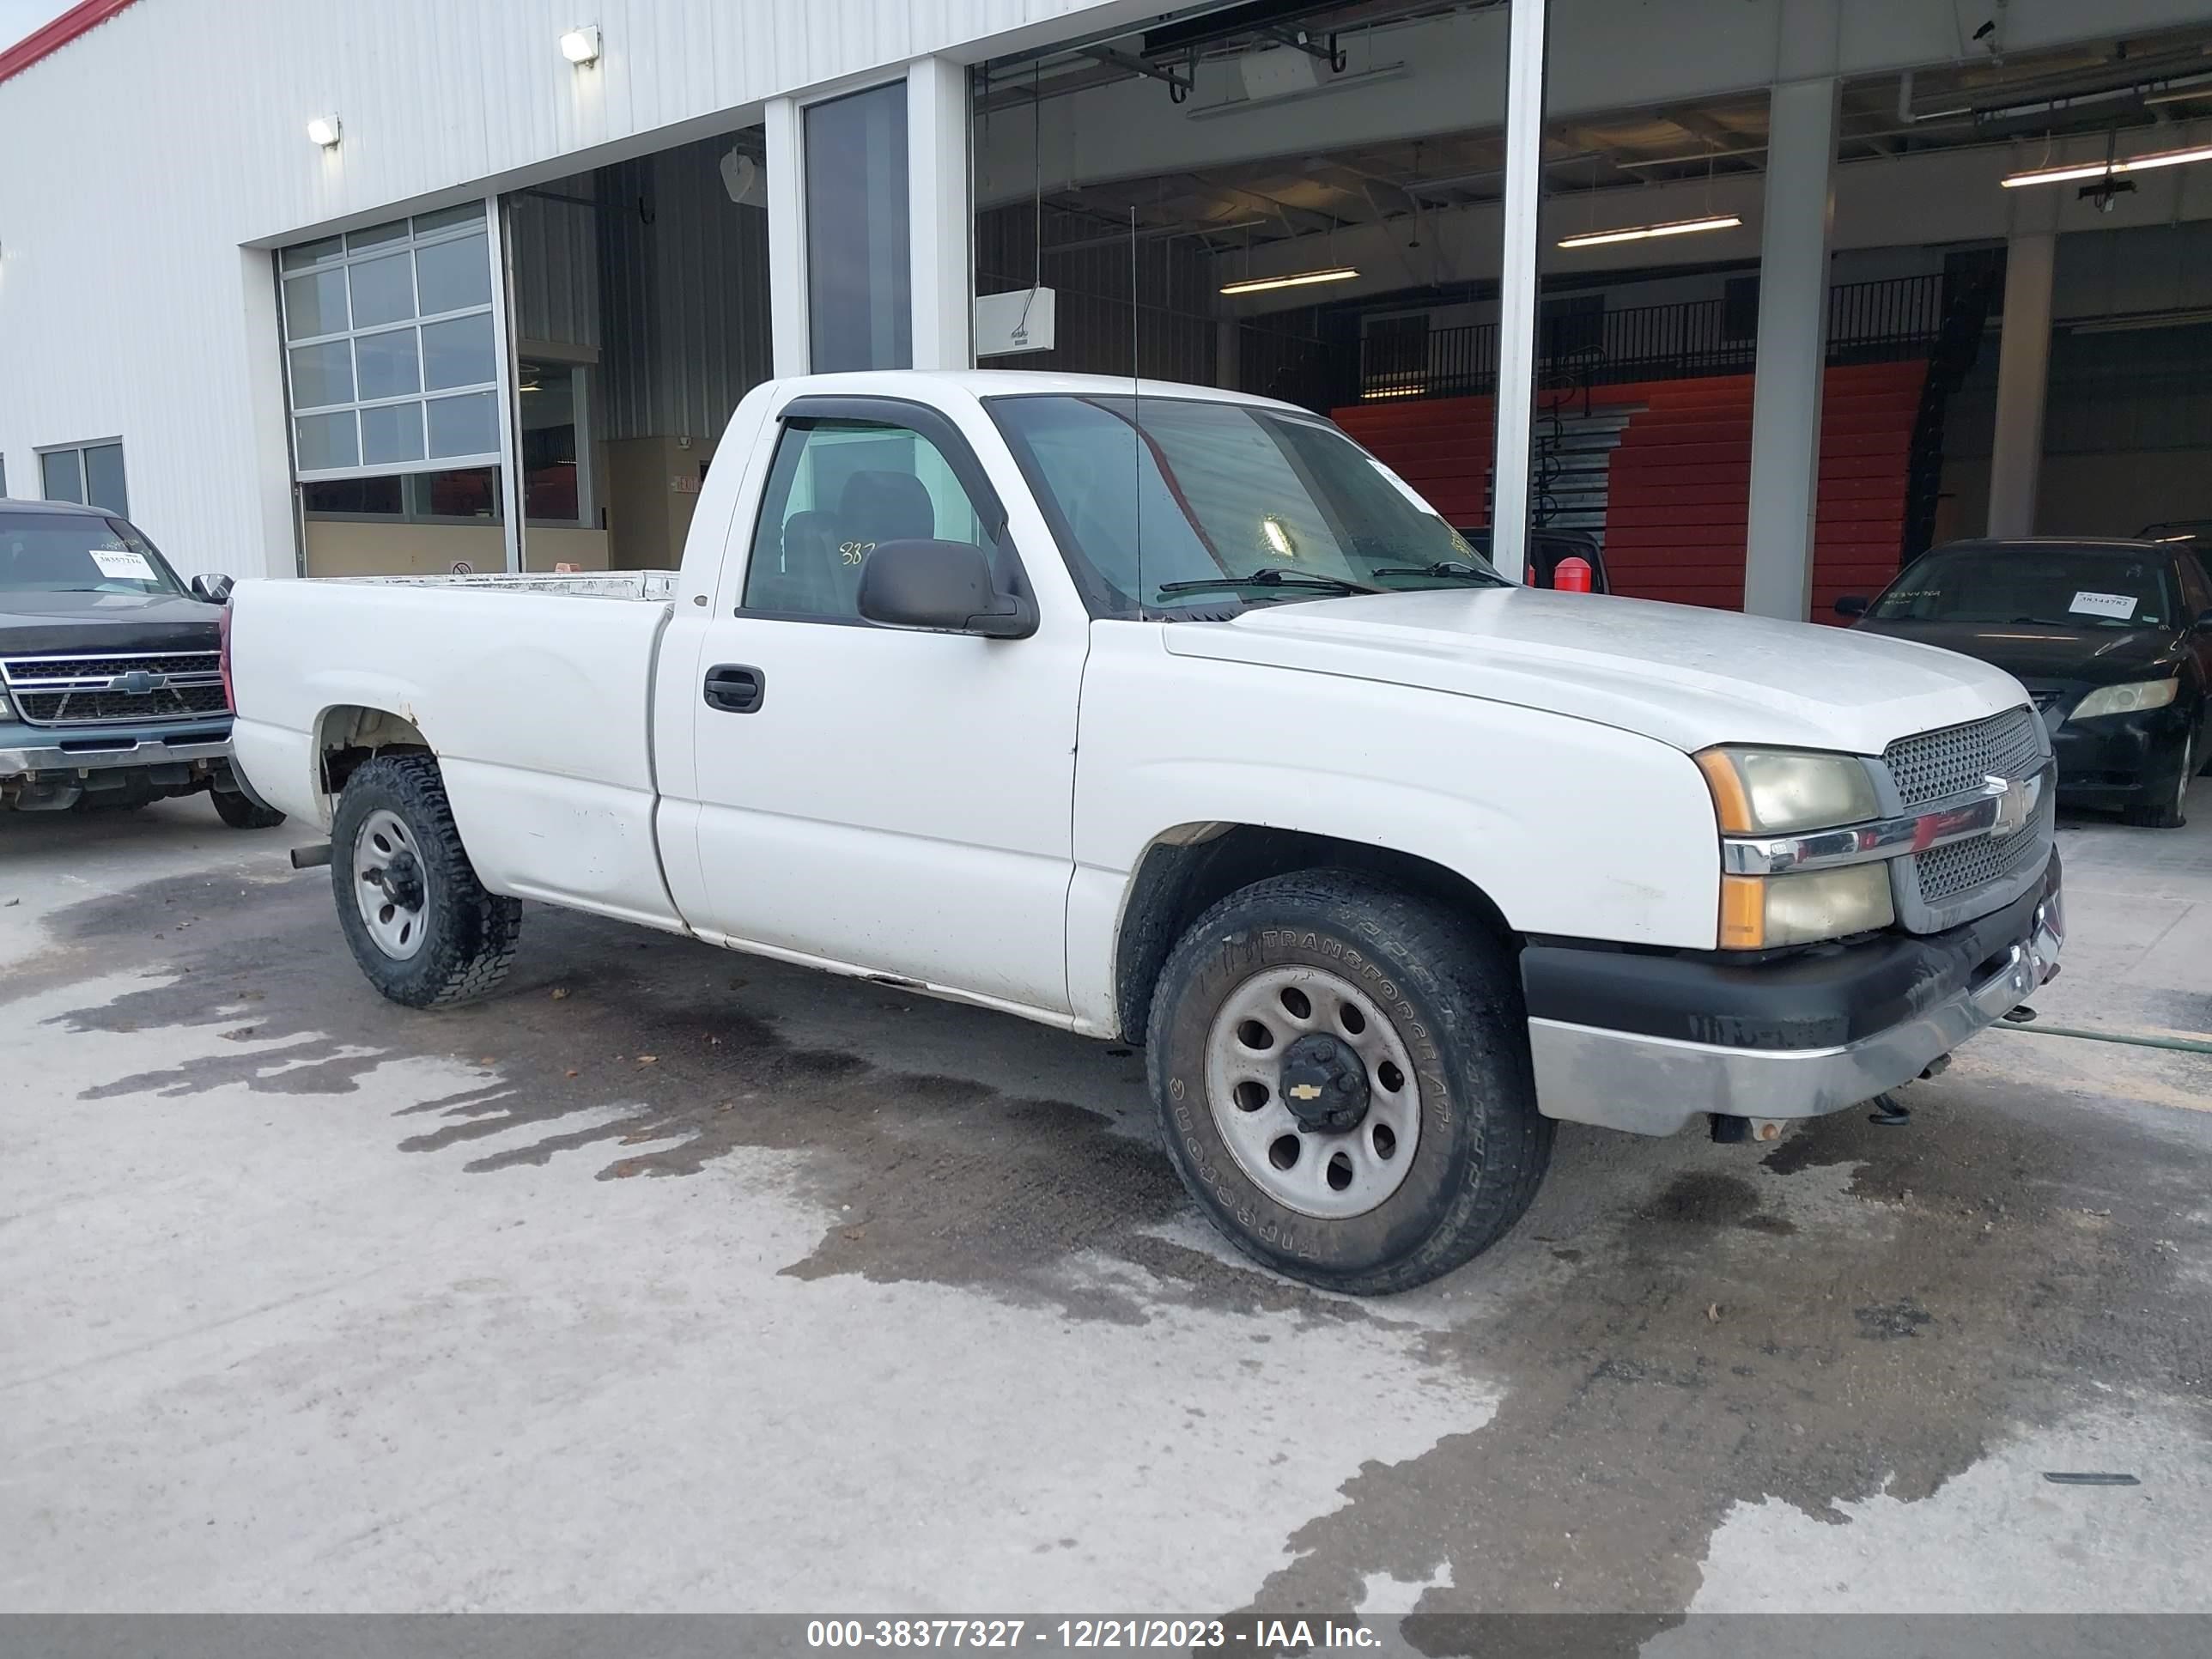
115 689
1933 766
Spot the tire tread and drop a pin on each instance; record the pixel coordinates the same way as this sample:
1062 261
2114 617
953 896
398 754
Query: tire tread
467 957
1473 975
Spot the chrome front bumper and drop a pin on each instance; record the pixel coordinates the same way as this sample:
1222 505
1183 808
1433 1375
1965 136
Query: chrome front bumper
1655 1085
51 757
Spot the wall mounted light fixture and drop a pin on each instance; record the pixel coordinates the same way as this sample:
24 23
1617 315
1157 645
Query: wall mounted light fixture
325 131
580 46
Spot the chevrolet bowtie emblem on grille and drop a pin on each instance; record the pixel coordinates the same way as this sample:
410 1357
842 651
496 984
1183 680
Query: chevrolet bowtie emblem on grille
2016 802
137 682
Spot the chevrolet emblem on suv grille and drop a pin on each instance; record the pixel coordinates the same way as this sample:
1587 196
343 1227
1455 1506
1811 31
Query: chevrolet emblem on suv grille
138 683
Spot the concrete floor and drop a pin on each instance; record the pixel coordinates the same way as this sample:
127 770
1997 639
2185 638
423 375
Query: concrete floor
673 1281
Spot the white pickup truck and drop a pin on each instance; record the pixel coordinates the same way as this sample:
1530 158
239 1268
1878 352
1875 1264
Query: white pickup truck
1171 716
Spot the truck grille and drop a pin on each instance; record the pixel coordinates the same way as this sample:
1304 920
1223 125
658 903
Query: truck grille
117 690
1933 766
1945 872
1947 885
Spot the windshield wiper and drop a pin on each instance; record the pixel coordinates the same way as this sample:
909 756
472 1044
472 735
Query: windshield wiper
1268 576
1446 568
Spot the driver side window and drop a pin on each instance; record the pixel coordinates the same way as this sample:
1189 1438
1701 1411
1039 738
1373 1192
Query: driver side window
837 489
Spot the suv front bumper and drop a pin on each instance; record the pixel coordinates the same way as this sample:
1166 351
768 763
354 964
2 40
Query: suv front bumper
1648 1042
26 749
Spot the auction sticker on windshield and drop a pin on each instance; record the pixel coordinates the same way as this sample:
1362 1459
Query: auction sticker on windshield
2119 605
124 566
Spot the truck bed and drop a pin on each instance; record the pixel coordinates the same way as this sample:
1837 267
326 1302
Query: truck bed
533 691
650 586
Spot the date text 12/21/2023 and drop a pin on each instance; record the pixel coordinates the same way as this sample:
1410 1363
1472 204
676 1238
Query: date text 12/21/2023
1252 1635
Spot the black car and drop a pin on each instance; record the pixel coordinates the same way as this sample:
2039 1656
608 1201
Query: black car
2112 639
112 689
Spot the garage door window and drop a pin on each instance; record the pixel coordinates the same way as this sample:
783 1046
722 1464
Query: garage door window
390 353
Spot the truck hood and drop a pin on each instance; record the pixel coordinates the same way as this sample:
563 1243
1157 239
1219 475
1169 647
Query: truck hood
1685 676
45 624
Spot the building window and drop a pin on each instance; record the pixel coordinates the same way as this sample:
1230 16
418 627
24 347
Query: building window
465 495
858 282
91 474
1740 308
390 351
1573 327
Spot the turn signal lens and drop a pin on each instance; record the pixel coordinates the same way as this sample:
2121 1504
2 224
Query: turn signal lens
1761 913
1781 791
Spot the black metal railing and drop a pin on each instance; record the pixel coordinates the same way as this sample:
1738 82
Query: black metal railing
1868 322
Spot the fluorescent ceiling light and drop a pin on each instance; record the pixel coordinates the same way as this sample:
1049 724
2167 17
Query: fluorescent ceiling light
581 46
2164 158
324 130
1645 233
1299 279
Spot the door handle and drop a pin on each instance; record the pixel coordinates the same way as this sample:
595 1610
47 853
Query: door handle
735 689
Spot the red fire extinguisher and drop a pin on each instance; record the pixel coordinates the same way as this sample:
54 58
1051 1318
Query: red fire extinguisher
1571 575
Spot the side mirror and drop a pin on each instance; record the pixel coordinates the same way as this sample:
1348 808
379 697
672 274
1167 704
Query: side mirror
1851 604
944 587
215 590
2204 622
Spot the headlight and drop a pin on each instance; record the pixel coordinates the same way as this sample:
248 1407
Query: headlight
2126 699
1763 912
1777 791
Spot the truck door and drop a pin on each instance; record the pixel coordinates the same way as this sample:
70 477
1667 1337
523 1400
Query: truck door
875 797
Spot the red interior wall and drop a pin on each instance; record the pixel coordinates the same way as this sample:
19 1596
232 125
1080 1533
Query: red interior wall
1680 483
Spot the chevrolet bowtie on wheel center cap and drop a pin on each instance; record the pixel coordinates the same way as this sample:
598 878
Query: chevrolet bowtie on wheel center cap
1314 1092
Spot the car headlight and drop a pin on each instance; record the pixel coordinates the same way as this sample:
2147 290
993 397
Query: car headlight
1778 791
1760 913
2131 699
1787 791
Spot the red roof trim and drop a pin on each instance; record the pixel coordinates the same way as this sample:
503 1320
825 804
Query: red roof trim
42 42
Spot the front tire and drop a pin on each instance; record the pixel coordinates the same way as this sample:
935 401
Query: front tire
1342 1073
2170 810
418 922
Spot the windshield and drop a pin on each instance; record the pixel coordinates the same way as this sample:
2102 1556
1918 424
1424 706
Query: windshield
2059 587
1215 503
66 553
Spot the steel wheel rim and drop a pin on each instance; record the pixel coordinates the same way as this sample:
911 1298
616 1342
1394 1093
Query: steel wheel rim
1371 1165
390 886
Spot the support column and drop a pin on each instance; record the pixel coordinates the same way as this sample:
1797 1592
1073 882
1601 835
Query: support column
941 216
2023 374
1516 288
1792 349
786 240
510 407
1228 353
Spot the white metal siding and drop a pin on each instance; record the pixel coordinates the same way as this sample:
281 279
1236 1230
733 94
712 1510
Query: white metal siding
144 155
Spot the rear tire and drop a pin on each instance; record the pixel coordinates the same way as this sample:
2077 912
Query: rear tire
1321 955
420 924
242 811
2170 810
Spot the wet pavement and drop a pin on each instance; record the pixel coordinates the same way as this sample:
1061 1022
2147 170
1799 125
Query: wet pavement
670 1279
